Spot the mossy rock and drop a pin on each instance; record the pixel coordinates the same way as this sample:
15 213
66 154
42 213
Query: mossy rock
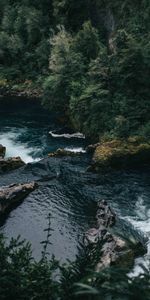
121 153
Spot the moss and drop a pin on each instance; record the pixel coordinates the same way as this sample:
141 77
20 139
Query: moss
122 153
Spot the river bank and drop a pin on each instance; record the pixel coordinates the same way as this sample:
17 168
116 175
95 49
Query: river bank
66 189
131 152
25 89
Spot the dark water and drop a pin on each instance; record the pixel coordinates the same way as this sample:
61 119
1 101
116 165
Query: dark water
24 130
66 190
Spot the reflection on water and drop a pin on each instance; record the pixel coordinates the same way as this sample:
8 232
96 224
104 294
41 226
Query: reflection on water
66 190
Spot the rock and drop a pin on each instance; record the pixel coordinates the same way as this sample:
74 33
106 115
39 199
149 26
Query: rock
113 249
12 163
132 152
2 151
91 148
94 235
105 216
14 193
62 152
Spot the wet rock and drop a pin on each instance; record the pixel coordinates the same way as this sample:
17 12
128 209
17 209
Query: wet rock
14 193
9 164
132 152
105 216
62 152
91 148
111 256
113 249
94 235
2 151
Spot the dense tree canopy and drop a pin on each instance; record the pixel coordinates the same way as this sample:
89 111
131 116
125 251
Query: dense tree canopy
92 57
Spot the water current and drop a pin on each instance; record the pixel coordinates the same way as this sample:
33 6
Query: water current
66 190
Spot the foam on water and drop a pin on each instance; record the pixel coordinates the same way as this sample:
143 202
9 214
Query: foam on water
14 148
26 134
78 135
75 149
141 222
66 190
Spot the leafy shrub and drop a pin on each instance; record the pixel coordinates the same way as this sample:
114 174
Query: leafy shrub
24 278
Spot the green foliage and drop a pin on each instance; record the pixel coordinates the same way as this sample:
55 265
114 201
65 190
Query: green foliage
87 42
65 67
92 107
23 278
71 14
93 57
24 33
114 284
110 95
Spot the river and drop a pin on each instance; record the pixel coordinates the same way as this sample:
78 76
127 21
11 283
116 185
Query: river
66 190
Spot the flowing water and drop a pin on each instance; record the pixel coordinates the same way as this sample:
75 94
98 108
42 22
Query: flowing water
66 190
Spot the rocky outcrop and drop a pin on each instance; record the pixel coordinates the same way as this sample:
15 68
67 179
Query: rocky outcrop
113 249
105 216
121 154
2 151
92 147
9 164
62 152
14 193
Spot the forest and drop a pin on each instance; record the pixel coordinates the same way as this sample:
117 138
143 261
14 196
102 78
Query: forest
91 59
88 61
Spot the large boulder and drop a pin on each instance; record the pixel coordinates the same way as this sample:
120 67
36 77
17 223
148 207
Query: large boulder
2 151
11 163
132 152
112 249
14 193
